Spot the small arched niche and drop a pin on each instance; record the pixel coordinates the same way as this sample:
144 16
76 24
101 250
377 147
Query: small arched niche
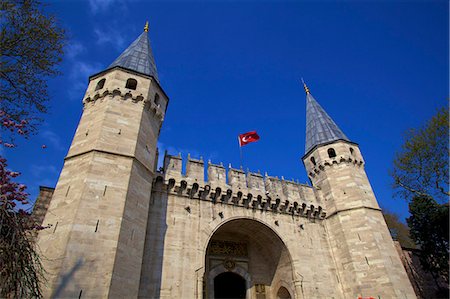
352 151
131 84
331 153
100 84
313 161
283 293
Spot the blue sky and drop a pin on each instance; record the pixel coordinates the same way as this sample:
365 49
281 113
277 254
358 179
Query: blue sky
377 67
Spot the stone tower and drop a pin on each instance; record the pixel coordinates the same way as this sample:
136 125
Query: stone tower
122 229
99 209
366 261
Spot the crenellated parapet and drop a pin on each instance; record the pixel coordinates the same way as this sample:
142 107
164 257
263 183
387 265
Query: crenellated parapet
117 93
124 95
236 187
331 155
118 84
332 162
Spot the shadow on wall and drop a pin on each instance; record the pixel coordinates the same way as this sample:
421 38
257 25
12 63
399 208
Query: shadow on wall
150 282
65 278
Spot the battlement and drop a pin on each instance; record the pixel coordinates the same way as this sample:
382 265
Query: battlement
110 85
235 186
321 158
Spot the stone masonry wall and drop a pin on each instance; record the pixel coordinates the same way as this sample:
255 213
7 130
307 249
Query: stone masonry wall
185 212
41 205
366 259
100 205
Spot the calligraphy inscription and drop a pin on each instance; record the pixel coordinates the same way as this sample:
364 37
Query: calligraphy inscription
227 248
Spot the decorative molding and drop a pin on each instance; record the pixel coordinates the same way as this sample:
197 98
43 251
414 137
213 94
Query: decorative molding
229 264
351 209
237 198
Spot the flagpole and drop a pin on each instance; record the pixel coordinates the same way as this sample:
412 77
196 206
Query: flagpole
240 151
244 139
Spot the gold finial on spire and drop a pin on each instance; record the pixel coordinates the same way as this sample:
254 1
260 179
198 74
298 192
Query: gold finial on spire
305 87
146 27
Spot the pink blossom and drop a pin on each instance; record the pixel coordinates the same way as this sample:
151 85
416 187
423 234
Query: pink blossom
12 125
11 192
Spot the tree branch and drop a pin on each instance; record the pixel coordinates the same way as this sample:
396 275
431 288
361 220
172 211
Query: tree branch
412 190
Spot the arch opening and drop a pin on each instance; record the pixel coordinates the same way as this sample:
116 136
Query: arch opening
283 293
229 285
331 153
100 84
252 250
352 151
156 100
131 84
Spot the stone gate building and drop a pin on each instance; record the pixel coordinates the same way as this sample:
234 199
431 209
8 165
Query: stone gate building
121 228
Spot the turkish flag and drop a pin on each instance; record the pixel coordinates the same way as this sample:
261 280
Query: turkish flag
248 137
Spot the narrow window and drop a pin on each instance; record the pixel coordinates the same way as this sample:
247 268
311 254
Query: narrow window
131 84
331 153
352 151
100 84
313 161
157 100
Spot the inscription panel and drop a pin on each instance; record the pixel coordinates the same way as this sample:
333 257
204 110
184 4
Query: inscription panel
227 248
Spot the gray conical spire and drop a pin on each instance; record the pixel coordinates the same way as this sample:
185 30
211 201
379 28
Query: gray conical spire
320 128
138 56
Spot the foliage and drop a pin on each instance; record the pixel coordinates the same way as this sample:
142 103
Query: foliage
421 176
10 192
429 228
20 266
31 45
399 231
421 167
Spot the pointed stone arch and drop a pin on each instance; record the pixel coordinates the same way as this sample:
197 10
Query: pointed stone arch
283 293
263 247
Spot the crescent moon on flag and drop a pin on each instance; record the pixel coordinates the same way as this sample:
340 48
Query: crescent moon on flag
245 138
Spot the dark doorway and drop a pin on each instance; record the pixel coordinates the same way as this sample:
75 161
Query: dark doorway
229 285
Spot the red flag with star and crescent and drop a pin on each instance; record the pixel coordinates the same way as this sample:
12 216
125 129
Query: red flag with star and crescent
247 138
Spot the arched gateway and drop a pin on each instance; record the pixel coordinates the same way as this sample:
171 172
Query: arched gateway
124 228
246 259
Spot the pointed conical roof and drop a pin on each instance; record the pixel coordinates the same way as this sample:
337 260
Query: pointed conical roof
138 57
320 128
